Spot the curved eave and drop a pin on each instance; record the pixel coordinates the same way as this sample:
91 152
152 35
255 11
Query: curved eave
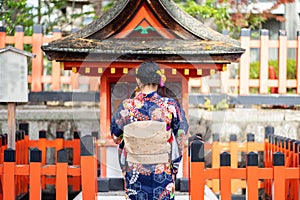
140 57
169 46
144 52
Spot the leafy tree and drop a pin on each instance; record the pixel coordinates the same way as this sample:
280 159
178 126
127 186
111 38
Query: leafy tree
230 15
16 12
48 13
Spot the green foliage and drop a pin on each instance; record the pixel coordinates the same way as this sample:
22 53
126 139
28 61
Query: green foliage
207 105
207 11
218 10
108 6
221 105
53 15
291 68
48 13
17 13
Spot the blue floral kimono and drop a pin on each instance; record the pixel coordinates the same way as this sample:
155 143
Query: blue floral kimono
150 181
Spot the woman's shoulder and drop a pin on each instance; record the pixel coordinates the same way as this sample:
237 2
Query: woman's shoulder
127 103
170 101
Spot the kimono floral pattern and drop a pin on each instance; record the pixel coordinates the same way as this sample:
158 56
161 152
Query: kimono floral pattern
150 181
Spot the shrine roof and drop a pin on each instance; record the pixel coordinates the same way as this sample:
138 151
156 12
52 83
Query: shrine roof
145 29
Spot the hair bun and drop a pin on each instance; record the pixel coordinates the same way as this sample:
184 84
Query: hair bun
147 73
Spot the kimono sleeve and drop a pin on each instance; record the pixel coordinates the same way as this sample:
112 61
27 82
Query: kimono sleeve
180 130
117 124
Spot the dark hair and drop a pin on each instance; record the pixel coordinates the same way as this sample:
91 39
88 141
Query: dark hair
147 73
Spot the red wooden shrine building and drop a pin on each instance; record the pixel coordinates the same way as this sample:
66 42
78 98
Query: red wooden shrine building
132 32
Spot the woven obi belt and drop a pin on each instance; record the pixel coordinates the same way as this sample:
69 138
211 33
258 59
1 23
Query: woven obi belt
146 142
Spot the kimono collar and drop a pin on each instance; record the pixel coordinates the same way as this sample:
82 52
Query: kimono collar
141 95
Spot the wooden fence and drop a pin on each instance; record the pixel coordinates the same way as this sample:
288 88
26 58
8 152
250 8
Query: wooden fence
57 80
280 174
21 175
266 81
281 166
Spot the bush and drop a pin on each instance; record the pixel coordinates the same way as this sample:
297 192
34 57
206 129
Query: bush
291 69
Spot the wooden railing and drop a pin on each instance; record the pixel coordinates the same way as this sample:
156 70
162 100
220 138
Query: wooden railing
235 149
38 78
280 174
58 80
242 83
281 169
32 175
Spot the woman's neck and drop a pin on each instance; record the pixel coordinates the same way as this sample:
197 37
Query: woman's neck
147 89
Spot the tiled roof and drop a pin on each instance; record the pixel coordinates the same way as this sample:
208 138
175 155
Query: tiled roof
194 40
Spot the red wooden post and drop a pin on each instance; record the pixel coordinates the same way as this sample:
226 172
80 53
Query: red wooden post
35 192
25 127
59 142
9 174
225 180
18 156
282 58
56 71
264 61
42 145
185 107
105 119
297 164
1 151
76 159
18 152
2 37
19 37
252 175
88 168
76 148
250 145
216 149
245 62
62 175
23 155
269 132
233 146
197 171
37 62
279 177
190 140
